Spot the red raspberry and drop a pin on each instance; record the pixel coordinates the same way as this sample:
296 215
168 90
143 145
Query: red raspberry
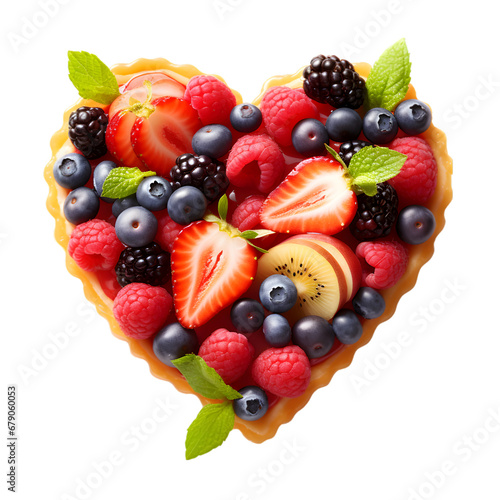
211 98
228 353
284 371
246 214
383 262
250 152
417 180
282 108
141 310
167 230
94 245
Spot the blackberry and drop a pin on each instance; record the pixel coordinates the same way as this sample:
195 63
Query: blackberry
149 264
201 172
376 214
87 131
334 81
348 149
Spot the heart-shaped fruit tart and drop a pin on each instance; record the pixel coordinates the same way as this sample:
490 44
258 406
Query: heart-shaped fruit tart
246 251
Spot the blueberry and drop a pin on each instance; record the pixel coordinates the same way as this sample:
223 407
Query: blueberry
81 205
368 303
278 293
380 126
72 171
343 125
309 137
101 171
347 327
314 335
174 341
253 405
122 204
186 205
245 118
277 331
415 224
213 140
136 227
153 193
413 116
247 315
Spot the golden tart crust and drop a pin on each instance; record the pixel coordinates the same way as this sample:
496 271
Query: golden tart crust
284 410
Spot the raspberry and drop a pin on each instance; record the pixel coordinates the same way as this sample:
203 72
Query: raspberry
228 353
167 230
246 214
251 152
87 131
211 98
148 264
201 172
383 262
282 108
94 245
375 215
332 80
141 310
417 180
283 371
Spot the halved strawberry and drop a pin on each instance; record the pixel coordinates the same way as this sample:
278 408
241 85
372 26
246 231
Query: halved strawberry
118 139
161 86
314 197
211 268
158 139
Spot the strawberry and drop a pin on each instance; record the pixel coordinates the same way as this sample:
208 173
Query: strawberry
314 197
118 139
213 264
159 137
319 194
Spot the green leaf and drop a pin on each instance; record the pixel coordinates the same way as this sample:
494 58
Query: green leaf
123 181
389 79
203 379
92 78
210 429
223 206
211 218
255 234
373 165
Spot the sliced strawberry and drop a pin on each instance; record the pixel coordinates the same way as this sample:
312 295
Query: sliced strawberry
135 89
210 270
314 197
165 134
118 139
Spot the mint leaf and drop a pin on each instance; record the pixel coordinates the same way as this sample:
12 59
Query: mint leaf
223 206
209 429
389 78
92 78
203 379
123 181
372 165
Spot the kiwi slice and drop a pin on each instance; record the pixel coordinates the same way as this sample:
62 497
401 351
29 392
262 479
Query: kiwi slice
318 288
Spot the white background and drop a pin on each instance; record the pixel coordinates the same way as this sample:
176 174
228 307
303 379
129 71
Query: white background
429 407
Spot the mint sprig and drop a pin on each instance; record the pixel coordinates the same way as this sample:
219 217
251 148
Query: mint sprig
214 421
123 181
92 78
369 167
389 79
